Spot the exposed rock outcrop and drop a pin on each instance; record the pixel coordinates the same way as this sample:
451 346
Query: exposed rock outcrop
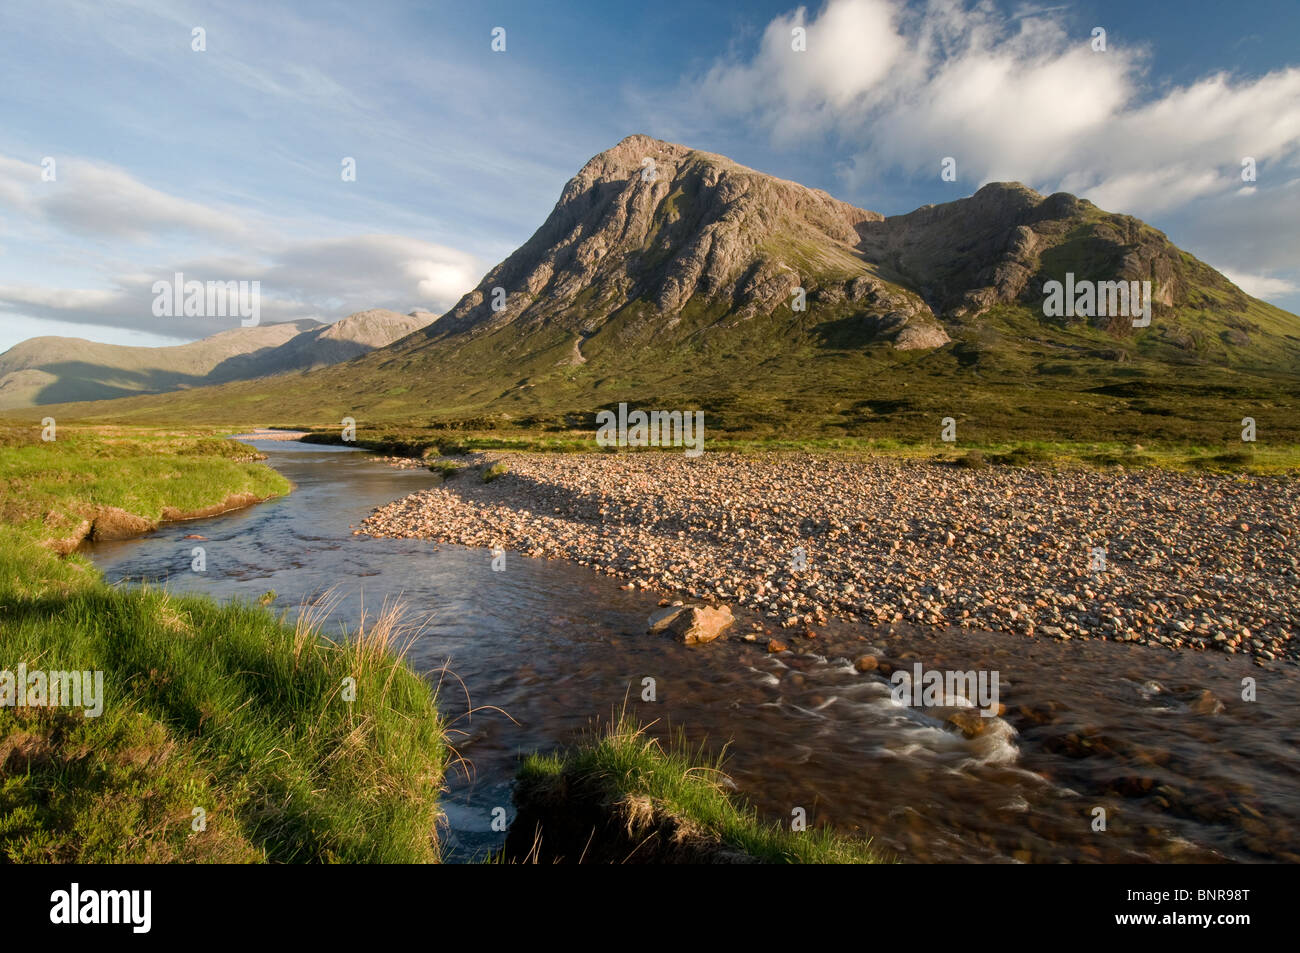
654 222
650 234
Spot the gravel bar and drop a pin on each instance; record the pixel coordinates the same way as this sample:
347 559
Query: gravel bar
1191 560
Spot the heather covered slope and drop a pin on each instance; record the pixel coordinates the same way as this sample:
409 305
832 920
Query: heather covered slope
669 277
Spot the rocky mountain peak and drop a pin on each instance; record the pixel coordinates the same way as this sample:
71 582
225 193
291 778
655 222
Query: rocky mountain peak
656 238
656 222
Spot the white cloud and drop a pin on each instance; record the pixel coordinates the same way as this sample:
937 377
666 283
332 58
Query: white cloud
106 207
910 88
96 200
851 49
81 300
17 184
897 89
1247 235
1196 138
322 279
375 271
1023 99
1151 190
1261 286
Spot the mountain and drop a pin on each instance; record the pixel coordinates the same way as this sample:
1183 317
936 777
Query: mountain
674 278
702 235
48 370
710 244
343 340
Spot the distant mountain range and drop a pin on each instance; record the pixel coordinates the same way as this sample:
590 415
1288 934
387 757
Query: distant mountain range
674 278
50 370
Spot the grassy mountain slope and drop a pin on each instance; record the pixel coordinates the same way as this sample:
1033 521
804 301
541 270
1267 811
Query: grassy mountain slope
49 370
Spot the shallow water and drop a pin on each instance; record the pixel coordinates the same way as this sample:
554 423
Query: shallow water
1128 729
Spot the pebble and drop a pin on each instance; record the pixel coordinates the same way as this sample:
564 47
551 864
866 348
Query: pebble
881 540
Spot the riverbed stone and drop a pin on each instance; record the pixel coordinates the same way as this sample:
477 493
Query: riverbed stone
968 721
693 625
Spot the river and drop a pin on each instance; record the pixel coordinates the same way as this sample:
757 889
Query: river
1163 743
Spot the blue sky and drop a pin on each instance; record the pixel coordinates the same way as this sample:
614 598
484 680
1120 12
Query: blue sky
225 163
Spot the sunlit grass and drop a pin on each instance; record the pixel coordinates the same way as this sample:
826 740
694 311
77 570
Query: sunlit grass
227 734
640 779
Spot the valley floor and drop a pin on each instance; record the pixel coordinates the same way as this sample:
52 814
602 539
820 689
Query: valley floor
1184 560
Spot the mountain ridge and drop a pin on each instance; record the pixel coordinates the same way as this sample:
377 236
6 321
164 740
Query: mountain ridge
52 369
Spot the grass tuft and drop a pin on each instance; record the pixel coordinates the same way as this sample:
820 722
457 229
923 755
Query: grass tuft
668 802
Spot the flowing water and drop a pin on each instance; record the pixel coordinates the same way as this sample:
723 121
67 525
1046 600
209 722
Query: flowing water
1163 743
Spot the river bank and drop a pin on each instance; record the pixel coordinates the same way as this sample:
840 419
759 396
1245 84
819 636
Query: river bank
1196 561
214 732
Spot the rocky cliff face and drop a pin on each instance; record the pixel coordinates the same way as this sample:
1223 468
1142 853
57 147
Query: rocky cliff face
653 223
1006 241
658 223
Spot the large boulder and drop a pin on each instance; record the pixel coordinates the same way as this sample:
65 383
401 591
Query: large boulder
693 625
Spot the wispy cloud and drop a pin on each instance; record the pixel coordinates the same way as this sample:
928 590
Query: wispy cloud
316 279
96 200
322 278
1261 286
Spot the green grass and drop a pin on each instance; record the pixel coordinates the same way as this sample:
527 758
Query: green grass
1009 377
52 490
225 708
447 468
641 781
495 471
1261 458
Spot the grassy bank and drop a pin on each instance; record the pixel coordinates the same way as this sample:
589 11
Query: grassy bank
623 797
109 482
226 734
1226 457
